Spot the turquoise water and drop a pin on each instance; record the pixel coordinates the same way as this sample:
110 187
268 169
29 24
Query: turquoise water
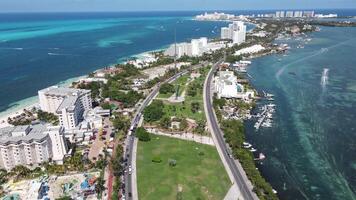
311 148
43 49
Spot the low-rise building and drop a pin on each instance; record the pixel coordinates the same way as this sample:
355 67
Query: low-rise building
31 145
227 86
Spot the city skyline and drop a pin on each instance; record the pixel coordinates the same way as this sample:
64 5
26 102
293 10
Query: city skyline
159 5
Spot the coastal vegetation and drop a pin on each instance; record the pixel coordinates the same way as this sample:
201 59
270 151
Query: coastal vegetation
47 117
234 136
170 168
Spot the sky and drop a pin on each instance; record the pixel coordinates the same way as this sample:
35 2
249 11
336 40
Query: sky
162 5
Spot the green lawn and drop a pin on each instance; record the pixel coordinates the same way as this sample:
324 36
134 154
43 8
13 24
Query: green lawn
199 176
183 110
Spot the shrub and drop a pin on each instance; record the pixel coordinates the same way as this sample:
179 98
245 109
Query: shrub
156 159
172 162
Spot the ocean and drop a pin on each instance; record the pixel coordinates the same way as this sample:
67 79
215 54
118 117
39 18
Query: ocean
311 147
43 49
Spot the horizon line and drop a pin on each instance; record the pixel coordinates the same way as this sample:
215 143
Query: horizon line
168 10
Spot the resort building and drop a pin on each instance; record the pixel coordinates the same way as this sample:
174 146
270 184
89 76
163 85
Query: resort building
289 14
227 86
195 48
225 33
31 145
68 103
235 32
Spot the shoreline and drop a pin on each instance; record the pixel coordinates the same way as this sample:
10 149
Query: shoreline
16 108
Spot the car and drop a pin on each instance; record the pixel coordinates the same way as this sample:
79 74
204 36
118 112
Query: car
130 194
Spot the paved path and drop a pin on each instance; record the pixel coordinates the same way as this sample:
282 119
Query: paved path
134 175
185 136
233 193
235 173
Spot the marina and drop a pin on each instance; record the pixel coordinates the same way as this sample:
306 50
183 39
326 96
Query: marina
265 117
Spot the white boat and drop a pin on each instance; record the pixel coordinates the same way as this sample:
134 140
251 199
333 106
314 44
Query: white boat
253 150
247 146
261 156
269 95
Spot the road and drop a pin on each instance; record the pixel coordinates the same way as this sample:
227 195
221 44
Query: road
130 139
220 143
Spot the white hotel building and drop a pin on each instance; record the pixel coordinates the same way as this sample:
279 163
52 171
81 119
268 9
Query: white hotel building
31 145
235 32
196 47
68 103
226 86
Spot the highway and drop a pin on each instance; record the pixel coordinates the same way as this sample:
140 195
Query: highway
220 143
134 123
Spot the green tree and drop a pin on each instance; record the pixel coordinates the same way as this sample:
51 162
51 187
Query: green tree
165 122
195 106
100 185
166 88
142 134
154 112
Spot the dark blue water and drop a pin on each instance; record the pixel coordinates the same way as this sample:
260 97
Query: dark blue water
312 146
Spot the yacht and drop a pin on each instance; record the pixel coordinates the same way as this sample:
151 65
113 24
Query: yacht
253 149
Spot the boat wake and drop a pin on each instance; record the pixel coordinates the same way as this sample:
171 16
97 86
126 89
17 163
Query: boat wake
54 54
321 51
19 49
324 78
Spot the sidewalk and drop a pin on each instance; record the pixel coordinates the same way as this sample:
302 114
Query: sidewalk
134 174
185 136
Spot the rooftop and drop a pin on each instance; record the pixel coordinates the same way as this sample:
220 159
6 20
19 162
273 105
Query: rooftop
10 135
63 91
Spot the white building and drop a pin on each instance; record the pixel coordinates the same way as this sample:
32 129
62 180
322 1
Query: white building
198 46
225 33
298 14
214 16
308 14
195 48
289 14
31 145
280 14
250 50
226 85
68 103
235 32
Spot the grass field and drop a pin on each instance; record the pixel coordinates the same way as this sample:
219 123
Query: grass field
183 110
196 176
